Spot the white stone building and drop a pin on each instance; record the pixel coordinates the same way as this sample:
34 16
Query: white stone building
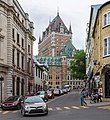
40 76
16 49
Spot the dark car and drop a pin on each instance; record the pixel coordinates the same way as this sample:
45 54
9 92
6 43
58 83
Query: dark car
13 102
33 105
43 95
57 92
50 94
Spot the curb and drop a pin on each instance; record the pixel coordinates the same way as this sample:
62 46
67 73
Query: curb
97 104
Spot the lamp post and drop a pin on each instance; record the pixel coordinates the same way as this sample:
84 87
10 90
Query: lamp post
1 79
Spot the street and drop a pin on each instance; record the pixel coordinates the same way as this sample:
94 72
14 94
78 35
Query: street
65 107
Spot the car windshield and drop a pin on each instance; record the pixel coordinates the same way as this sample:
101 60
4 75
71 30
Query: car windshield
33 99
49 92
56 91
42 93
12 98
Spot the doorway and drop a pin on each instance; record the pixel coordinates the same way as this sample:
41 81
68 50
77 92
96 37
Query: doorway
107 84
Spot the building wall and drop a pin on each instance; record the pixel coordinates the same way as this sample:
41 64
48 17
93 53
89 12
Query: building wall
56 73
40 78
12 17
54 41
101 61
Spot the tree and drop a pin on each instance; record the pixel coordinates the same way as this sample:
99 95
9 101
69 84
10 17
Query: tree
78 65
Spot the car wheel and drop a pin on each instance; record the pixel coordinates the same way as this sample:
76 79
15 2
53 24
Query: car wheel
3 109
18 107
23 112
46 112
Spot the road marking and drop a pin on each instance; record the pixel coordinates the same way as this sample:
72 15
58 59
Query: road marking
58 108
83 106
105 107
15 111
75 107
50 109
5 112
67 108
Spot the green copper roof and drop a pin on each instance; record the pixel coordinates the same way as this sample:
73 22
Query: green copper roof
68 50
49 60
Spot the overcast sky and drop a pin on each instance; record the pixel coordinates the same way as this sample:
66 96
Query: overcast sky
76 12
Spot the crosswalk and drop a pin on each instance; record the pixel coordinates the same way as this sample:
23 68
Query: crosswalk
105 107
59 109
50 109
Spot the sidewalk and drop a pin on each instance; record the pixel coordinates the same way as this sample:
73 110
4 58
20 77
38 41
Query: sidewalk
97 104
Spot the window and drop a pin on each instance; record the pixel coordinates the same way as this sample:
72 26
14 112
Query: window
18 15
57 77
39 73
22 42
57 71
17 38
107 19
36 71
29 67
17 59
50 71
50 76
13 33
107 46
22 62
13 56
28 48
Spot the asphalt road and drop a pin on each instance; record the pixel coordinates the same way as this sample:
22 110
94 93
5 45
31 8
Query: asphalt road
66 107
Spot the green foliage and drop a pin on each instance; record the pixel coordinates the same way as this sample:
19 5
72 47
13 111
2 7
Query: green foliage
78 65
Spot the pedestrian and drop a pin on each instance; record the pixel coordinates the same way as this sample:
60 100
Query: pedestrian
99 94
82 98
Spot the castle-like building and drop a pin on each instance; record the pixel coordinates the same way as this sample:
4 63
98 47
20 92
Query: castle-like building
56 50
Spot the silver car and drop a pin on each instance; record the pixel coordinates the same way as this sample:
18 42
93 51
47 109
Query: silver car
33 105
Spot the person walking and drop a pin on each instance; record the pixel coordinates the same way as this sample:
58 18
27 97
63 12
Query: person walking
82 98
99 94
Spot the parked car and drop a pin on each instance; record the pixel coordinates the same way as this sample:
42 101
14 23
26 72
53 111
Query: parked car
50 94
65 91
12 102
33 105
57 92
61 92
43 95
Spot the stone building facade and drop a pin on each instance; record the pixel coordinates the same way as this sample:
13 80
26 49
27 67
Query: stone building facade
16 48
101 50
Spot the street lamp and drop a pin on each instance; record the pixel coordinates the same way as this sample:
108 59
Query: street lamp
1 79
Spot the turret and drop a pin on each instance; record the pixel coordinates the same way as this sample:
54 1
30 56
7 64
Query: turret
70 30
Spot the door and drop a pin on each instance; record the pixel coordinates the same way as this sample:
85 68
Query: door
107 84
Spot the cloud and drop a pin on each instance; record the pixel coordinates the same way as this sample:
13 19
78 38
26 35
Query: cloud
76 12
